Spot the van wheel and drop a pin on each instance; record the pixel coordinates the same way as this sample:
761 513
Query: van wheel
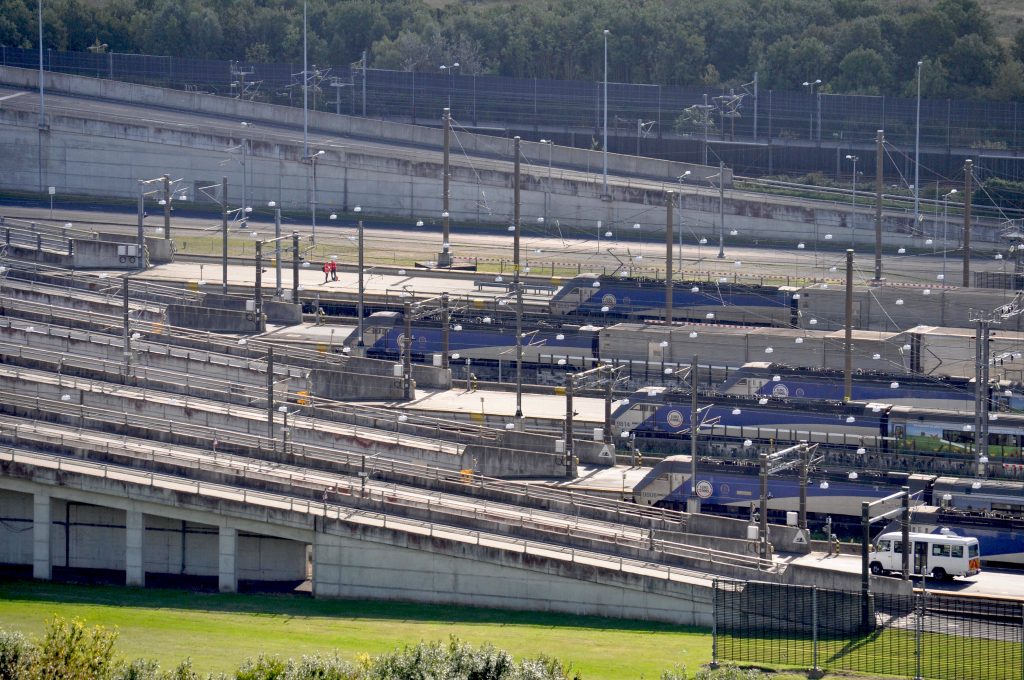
876 568
939 574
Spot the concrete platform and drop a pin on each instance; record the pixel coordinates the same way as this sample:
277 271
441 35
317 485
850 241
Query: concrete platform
489 404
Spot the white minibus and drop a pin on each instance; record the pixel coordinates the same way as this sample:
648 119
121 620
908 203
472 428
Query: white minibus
938 555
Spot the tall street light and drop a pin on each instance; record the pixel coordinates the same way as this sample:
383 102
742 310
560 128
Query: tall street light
312 160
42 96
547 190
811 84
450 70
305 85
945 223
721 210
853 202
917 149
604 145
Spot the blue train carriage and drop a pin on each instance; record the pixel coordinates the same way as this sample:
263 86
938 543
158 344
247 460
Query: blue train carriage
766 379
594 295
474 339
733 489
657 412
951 434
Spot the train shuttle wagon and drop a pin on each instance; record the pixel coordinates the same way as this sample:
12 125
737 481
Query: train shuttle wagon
939 555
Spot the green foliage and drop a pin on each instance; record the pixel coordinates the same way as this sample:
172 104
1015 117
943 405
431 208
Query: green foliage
722 673
1004 193
16 655
458 660
70 651
855 46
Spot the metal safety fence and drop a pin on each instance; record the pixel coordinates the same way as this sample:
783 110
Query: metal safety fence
926 635
653 119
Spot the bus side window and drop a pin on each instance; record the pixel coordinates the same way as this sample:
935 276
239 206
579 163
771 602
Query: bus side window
940 550
958 551
897 547
883 546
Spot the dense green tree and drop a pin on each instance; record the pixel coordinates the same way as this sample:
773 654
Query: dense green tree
862 71
852 45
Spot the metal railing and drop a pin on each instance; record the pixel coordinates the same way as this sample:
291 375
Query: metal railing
925 635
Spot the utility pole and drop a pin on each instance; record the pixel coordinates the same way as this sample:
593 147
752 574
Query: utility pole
445 323
278 290
270 391
981 391
762 531
167 206
848 331
258 288
517 283
224 233
693 502
444 258
879 183
569 463
407 391
721 210
968 172
362 286
669 199
295 267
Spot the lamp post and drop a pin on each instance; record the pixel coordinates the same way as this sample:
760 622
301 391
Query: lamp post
42 95
917 149
305 84
547 190
312 160
362 287
604 145
853 201
811 84
448 68
277 247
721 210
245 173
945 224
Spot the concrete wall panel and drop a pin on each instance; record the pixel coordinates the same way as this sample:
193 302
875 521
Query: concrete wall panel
16 527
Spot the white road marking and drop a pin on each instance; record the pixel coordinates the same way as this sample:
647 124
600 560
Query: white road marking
12 96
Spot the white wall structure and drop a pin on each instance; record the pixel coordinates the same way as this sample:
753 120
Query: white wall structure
87 153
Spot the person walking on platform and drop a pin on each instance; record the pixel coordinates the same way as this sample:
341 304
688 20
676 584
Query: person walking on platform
334 270
327 271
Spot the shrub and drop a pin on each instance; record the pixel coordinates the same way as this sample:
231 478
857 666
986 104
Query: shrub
69 651
16 654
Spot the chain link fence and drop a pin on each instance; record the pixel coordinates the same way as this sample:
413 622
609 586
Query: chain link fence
642 118
925 635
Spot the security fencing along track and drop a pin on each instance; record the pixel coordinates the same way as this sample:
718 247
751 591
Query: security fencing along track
923 635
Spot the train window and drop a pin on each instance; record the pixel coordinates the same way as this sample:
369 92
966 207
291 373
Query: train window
940 550
958 551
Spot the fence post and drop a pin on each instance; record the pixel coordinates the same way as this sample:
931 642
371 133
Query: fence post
918 629
815 671
714 624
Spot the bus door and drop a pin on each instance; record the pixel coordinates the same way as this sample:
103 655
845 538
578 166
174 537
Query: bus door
920 557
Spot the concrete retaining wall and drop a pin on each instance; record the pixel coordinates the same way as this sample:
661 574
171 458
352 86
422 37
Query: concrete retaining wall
357 560
103 157
213 320
432 569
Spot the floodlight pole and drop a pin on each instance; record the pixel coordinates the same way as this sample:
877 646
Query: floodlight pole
669 199
362 286
167 206
224 233
518 284
693 502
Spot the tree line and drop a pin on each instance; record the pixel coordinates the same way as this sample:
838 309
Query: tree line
853 46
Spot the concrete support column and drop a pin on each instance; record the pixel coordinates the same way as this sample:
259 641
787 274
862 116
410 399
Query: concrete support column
42 564
135 528
227 573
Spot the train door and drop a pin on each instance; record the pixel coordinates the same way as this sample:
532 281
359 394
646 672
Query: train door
920 557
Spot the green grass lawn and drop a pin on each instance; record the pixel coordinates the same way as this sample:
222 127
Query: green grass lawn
219 631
